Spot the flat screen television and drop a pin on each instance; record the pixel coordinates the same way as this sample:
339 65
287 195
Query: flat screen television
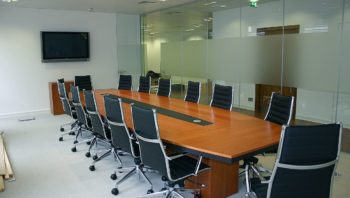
65 46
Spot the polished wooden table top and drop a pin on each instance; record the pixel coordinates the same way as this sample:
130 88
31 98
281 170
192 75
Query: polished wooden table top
232 135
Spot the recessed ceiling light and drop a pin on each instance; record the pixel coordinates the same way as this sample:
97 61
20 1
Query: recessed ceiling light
220 6
210 3
9 1
189 30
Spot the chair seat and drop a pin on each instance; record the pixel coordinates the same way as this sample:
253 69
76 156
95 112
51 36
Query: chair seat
184 166
259 188
251 160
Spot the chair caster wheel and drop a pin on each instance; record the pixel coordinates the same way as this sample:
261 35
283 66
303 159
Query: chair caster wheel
115 191
94 157
150 191
88 154
162 189
121 154
71 133
197 196
74 149
88 143
92 168
61 129
114 176
60 139
75 142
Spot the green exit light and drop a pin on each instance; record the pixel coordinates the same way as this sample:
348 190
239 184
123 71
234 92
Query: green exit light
253 4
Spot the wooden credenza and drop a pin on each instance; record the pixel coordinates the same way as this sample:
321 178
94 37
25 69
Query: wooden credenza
55 102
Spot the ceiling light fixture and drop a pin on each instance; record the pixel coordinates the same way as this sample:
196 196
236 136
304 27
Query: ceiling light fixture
211 3
9 1
219 5
189 30
253 3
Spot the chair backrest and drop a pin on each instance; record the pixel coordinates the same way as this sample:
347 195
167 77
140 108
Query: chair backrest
83 82
164 87
193 92
64 99
280 109
96 120
61 89
120 134
60 80
144 84
125 82
306 160
81 114
147 133
222 97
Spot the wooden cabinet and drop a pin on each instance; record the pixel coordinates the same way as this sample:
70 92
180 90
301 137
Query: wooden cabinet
55 102
263 95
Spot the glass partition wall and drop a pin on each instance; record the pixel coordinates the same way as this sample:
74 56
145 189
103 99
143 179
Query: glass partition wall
294 47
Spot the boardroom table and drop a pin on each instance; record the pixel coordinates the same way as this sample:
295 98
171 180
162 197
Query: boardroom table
222 137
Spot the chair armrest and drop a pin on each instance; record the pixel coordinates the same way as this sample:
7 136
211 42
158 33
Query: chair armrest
199 162
175 156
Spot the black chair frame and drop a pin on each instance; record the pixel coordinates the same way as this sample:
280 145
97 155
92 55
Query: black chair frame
102 136
83 118
68 110
193 87
171 181
270 187
214 97
124 139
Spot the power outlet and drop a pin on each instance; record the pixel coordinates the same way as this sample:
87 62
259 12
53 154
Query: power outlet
250 99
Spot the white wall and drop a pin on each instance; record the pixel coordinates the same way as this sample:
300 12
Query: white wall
24 78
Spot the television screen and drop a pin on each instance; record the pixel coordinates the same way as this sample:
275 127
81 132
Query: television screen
65 46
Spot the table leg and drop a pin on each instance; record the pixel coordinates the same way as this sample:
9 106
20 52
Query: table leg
221 180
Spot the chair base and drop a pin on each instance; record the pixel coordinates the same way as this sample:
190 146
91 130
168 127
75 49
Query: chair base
136 169
174 193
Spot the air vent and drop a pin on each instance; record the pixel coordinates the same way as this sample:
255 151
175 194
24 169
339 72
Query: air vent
146 2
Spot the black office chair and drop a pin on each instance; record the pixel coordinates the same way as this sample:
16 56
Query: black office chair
68 110
60 80
83 82
280 111
144 84
174 169
101 132
305 164
222 97
125 82
193 93
164 87
122 139
83 118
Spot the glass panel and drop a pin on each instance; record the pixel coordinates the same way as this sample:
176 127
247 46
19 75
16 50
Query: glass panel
128 47
311 57
344 80
176 47
260 54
